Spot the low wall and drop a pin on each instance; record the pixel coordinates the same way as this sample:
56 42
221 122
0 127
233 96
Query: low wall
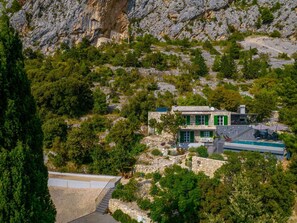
130 209
208 166
70 180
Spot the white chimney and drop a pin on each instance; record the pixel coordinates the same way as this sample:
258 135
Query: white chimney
241 109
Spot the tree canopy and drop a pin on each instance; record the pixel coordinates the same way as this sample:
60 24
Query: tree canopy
24 196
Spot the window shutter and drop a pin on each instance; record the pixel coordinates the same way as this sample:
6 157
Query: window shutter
188 120
206 119
226 120
215 120
201 134
192 136
197 120
211 133
181 137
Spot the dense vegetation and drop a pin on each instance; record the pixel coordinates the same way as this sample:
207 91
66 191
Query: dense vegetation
250 187
24 196
93 103
81 91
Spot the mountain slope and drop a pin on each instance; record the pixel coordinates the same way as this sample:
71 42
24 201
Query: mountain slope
45 24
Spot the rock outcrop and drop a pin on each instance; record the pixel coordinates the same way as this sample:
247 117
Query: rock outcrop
202 19
44 24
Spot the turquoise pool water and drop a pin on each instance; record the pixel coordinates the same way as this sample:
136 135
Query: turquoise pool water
257 143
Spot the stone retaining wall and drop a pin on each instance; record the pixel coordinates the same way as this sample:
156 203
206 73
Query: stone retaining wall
130 209
208 166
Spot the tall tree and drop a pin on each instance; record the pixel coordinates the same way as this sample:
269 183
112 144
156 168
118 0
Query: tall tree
24 196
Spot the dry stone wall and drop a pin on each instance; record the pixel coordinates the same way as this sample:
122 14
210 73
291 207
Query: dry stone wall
130 209
208 166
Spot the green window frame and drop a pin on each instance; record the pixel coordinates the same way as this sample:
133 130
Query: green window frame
186 136
201 119
187 119
206 134
221 120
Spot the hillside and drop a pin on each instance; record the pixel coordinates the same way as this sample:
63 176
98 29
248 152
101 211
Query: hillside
46 24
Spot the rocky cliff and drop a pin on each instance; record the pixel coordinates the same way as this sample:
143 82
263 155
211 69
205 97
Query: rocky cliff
45 24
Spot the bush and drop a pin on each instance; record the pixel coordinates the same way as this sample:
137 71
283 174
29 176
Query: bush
156 152
266 15
157 176
126 192
144 204
201 151
122 217
275 34
216 156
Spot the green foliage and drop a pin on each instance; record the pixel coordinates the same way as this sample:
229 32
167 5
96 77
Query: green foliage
228 67
171 123
216 156
70 96
254 68
15 7
192 99
234 50
138 149
144 204
122 133
199 67
275 34
138 107
180 191
156 60
126 192
209 47
216 64
80 142
266 15
53 129
156 152
263 104
122 217
100 105
24 195
223 98
202 151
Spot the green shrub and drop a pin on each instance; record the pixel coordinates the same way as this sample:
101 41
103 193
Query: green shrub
122 217
157 176
126 192
144 204
200 151
266 16
156 152
216 156
283 56
275 34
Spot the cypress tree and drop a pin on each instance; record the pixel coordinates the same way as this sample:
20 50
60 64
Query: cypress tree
24 196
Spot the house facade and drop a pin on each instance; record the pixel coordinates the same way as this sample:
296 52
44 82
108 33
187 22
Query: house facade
200 124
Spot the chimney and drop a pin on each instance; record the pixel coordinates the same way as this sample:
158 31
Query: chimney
242 109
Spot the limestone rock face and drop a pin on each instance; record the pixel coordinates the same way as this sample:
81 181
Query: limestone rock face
45 24
202 19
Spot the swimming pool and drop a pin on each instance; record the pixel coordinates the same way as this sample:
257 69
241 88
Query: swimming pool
258 143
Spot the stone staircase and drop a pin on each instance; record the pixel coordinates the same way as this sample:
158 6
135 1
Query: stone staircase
103 205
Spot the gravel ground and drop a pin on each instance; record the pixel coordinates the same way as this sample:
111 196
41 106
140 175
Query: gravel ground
73 203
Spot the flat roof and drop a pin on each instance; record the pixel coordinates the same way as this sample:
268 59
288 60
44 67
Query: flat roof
192 108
